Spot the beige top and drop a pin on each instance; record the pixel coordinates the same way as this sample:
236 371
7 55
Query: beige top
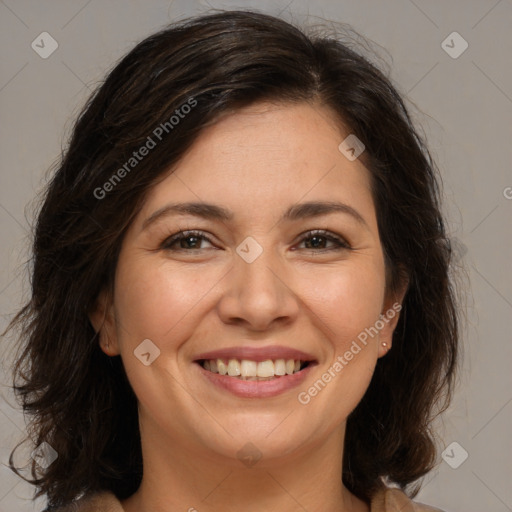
387 500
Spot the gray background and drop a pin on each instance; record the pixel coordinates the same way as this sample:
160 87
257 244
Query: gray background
464 105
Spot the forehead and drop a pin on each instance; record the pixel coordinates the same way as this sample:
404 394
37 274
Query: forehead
264 157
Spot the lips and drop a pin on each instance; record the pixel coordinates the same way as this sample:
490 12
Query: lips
255 387
256 354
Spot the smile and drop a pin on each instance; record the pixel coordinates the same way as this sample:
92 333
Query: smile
250 370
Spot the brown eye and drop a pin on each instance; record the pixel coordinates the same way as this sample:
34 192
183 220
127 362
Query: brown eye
185 240
317 240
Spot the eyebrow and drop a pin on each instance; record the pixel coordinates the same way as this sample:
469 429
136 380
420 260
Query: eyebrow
215 212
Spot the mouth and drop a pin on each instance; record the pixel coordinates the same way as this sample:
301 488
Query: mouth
254 371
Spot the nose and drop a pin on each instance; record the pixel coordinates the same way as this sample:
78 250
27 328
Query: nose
258 294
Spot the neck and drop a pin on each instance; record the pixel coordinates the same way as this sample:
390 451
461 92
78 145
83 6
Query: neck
177 478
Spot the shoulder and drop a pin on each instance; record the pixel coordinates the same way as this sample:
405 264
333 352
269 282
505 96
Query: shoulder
386 500
394 500
104 501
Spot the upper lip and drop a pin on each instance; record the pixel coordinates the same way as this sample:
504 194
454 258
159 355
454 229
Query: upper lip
257 354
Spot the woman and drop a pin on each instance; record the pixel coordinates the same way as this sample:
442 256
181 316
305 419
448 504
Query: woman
240 292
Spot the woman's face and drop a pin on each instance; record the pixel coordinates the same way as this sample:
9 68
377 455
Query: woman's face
254 287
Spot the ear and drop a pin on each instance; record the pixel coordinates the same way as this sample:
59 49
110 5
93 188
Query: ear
103 321
389 316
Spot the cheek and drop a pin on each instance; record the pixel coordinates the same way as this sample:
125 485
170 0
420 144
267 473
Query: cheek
153 300
159 302
347 300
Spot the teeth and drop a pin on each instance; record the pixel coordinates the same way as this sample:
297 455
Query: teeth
248 368
221 366
266 369
233 368
280 367
252 370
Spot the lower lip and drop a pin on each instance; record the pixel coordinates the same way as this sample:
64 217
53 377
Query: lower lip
257 389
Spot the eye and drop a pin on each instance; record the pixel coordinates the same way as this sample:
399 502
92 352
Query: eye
188 240
317 239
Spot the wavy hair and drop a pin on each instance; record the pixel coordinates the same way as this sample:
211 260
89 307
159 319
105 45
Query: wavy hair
78 399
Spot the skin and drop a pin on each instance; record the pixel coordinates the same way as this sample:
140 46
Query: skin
256 162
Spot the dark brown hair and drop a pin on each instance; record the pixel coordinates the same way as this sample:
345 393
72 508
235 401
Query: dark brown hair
79 400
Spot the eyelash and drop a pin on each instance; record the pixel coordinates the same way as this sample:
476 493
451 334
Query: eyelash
182 235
